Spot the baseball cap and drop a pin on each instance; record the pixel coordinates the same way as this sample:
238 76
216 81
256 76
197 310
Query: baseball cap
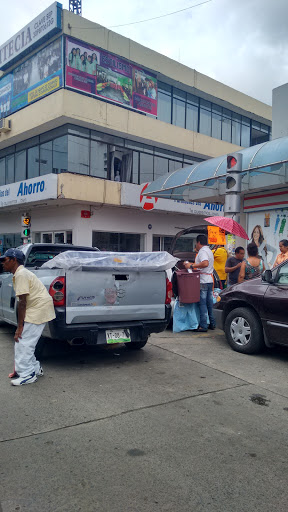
13 253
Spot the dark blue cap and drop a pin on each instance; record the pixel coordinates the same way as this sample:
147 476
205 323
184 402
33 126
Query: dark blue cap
13 253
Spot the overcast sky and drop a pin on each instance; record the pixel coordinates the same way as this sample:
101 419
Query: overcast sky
242 43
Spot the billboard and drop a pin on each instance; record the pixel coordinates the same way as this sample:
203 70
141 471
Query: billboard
36 77
97 72
43 26
266 229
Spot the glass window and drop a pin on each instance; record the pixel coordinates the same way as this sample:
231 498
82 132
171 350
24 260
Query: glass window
27 143
226 125
205 117
174 165
192 117
135 168
98 159
10 169
236 129
245 136
78 155
194 100
160 166
60 154
20 166
146 167
178 113
177 93
33 162
2 171
46 158
164 107
109 139
156 243
52 134
78 130
216 121
119 242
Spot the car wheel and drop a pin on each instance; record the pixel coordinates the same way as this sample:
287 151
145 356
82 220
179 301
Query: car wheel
244 331
136 345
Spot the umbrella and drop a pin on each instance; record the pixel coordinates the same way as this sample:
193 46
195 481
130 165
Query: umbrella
230 225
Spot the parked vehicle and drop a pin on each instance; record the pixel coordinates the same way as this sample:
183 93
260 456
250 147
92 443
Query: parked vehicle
94 306
253 314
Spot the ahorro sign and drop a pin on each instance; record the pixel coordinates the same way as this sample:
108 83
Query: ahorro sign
43 26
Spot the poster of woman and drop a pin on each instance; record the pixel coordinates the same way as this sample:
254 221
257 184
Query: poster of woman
267 229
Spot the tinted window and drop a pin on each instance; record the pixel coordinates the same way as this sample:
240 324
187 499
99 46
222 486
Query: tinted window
46 158
98 159
20 166
2 171
10 169
78 155
33 162
179 112
146 168
60 154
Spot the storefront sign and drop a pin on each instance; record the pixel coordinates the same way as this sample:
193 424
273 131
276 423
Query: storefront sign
266 201
34 79
43 26
216 236
100 73
28 191
132 195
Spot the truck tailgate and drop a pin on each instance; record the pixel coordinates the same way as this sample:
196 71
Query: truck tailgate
107 296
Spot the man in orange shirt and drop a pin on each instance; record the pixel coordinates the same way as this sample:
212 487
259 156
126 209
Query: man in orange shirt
283 246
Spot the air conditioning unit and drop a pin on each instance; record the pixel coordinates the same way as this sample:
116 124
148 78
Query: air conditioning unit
5 125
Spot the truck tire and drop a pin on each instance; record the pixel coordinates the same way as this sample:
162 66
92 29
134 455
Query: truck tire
244 331
136 345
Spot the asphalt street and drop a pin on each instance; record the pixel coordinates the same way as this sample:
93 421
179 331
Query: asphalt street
185 424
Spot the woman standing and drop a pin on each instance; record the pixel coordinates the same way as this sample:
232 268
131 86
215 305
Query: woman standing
253 266
257 237
283 246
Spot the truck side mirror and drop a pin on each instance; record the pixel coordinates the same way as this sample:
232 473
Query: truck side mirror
267 277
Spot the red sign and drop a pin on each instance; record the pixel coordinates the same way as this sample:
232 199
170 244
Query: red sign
147 202
85 214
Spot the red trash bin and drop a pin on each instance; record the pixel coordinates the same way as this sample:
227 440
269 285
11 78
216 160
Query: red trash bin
188 286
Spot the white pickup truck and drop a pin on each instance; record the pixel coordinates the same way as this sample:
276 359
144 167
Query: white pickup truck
95 305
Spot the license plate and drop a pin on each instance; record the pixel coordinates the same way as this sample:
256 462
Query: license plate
118 336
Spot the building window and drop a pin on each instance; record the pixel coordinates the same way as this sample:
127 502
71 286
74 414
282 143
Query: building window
10 176
236 129
245 132
33 162
192 110
205 117
60 154
2 171
118 242
98 159
216 122
46 158
178 118
226 125
146 167
78 154
164 102
20 166
160 166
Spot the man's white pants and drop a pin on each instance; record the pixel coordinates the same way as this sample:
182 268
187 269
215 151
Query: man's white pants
25 360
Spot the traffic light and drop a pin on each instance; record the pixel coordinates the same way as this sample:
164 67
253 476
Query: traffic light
233 184
26 225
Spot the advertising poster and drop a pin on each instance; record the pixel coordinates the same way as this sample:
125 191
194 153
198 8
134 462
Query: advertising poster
97 72
266 229
144 91
5 95
36 77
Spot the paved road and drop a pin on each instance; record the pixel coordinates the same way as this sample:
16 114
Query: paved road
184 425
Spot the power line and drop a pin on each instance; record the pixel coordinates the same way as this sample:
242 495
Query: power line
162 16
143 21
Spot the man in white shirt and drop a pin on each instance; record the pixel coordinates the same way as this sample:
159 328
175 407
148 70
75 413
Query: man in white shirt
35 308
204 262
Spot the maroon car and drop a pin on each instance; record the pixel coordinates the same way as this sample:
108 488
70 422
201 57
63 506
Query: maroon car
254 314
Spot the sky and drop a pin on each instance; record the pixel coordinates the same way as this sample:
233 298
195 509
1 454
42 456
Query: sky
241 43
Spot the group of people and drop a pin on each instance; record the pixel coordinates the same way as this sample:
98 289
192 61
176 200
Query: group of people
237 267
83 62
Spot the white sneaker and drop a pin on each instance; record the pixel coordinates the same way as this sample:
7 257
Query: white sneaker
40 373
24 380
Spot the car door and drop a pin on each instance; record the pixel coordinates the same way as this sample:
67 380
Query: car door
8 309
276 306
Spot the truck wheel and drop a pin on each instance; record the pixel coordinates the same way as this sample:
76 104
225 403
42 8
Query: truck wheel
244 331
136 345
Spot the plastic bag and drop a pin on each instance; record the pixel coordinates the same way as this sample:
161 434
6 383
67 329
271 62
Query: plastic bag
137 261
